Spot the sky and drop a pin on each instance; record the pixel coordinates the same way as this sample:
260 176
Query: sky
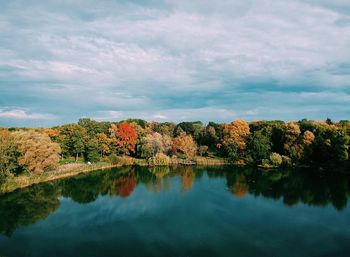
173 60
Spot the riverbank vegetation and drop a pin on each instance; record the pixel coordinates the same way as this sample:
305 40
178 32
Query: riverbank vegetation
34 152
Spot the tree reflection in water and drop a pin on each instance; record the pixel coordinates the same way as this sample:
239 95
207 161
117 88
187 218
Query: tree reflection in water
29 205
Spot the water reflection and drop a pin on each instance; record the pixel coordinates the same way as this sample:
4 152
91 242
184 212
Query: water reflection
27 206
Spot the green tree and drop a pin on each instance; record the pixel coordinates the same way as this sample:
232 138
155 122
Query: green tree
92 127
258 146
92 150
72 140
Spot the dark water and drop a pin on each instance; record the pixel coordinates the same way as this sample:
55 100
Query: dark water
222 211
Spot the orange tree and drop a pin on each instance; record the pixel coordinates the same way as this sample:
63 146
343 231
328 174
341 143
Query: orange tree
124 138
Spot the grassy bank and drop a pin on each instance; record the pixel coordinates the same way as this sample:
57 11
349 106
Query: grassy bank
73 169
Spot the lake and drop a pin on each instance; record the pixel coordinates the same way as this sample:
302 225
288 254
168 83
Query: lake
180 211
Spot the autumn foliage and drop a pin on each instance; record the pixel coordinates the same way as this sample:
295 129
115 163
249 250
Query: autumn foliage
184 144
124 138
236 132
37 152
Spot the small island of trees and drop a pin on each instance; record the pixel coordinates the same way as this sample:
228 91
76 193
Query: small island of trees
138 142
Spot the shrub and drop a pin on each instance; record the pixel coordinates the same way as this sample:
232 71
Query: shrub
113 159
159 159
203 150
265 162
286 161
120 160
276 159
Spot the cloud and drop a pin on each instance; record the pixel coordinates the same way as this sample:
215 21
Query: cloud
108 115
20 114
176 59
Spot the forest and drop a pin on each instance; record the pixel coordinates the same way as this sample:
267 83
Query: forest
259 143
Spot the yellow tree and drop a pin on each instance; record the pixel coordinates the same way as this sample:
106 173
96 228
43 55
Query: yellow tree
7 154
236 132
234 141
291 146
37 152
104 143
184 144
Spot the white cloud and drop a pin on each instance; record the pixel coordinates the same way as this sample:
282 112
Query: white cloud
108 116
20 114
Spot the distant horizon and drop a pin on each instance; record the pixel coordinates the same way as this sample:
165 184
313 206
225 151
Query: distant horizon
173 60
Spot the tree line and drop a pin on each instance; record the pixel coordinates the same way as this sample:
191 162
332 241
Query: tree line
266 143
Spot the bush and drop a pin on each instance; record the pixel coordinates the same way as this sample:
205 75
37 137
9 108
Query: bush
286 161
276 159
159 159
203 150
113 159
120 160
265 162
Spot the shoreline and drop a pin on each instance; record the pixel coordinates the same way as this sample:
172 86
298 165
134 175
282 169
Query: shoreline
26 180
76 168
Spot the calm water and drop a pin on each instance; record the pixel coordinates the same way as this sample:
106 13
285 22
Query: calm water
222 211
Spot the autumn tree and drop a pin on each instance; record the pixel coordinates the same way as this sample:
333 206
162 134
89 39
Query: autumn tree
53 133
165 128
8 154
154 143
104 143
184 144
308 139
292 146
37 152
124 138
235 138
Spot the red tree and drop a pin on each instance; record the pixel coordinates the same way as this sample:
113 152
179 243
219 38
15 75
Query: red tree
124 137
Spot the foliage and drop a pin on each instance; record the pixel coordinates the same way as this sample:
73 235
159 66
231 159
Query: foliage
303 142
165 128
276 159
184 144
124 138
203 150
72 140
236 132
37 152
159 159
154 143
120 160
193 128
92 150
104 144
8 154
258 146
